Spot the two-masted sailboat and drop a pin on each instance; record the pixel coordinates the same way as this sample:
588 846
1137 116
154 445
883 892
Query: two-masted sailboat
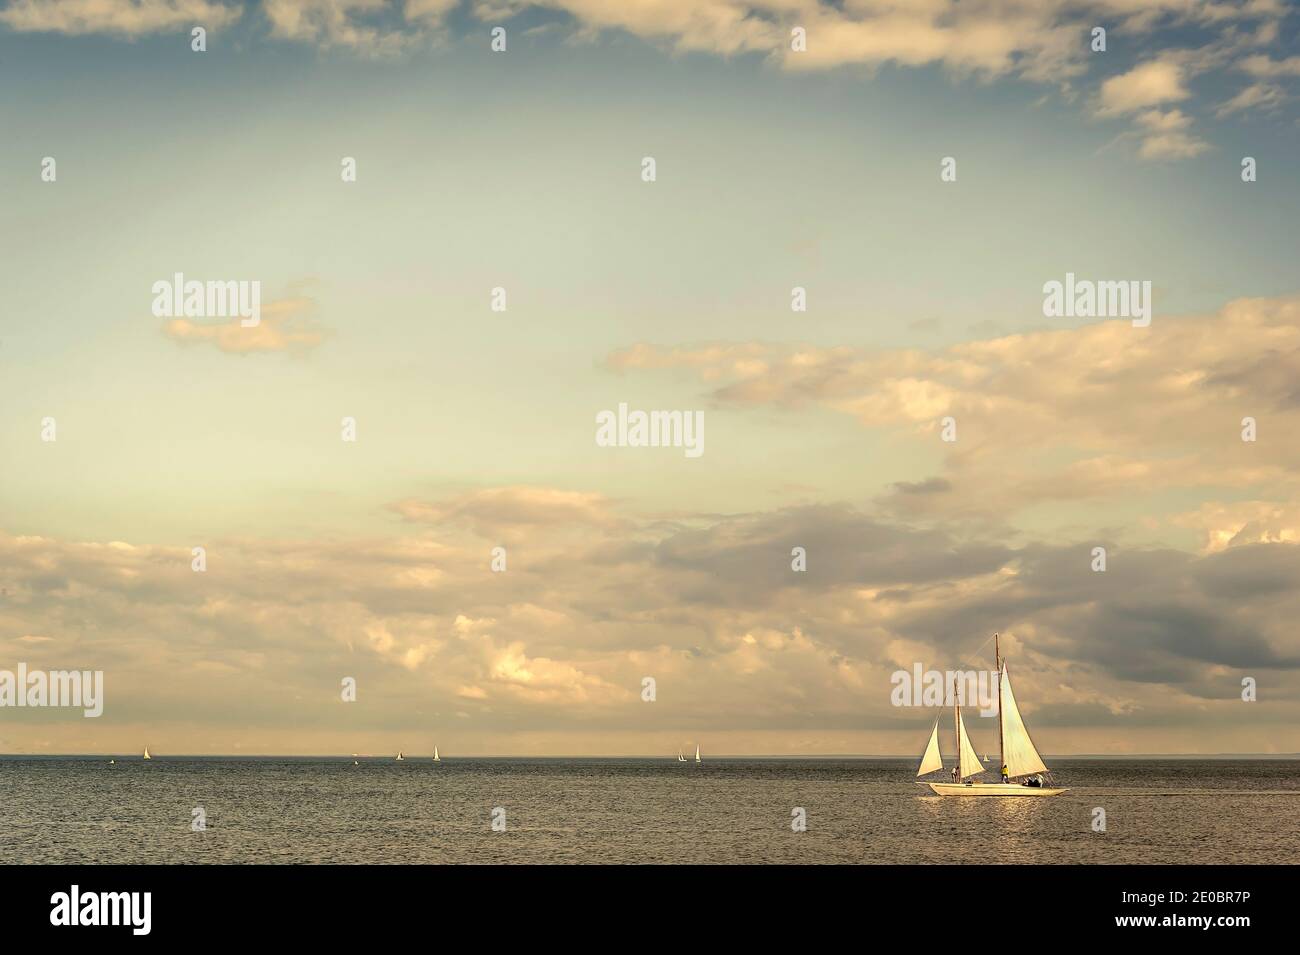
1019 757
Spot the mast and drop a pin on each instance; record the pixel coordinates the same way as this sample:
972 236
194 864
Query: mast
997 661
956 725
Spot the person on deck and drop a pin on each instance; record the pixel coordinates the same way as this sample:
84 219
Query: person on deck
1005 776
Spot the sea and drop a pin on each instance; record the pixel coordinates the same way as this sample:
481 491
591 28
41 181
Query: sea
197 810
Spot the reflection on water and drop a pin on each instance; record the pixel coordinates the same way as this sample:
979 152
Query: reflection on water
635 810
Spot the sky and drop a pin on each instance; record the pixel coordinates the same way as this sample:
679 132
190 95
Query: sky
775 169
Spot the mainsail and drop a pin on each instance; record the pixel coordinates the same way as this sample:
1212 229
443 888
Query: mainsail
1018 752
931 760
968 763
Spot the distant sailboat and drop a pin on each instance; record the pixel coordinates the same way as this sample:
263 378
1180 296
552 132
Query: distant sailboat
112 762
697 752
146 753
1019 757
400 756
680 757
436 757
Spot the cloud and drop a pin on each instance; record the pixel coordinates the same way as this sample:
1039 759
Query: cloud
1167 135
1038 41
330 23
130 18
284 326
1239 523
364 26
928 486
505 512
1262 96
708 605
1149 84
1264 66
1099 411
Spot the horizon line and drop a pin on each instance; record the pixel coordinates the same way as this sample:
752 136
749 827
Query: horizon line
429 756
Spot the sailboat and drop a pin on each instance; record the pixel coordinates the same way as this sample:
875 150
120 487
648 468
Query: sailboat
697 752
1015 747
436 757
680 757
400 756
146 753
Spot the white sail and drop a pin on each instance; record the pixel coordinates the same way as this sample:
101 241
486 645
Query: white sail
146 753
1018 752
697 752
968 763
435 755
931 760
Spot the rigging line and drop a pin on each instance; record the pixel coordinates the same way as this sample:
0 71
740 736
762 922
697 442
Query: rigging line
963 664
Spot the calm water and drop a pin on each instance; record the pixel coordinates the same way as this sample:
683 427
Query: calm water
82 810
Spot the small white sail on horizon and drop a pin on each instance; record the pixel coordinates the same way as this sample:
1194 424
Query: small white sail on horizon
436 757
146 753
697 752
1018 752
680 757
399 755
932 759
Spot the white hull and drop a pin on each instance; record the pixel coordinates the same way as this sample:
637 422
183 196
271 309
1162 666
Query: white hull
991 789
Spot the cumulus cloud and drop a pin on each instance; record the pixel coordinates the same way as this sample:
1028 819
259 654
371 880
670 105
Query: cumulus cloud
285 326
364 26
1233 524
1167 135
1097 411
1040 40
1261 65
1148 84
129 18
707 605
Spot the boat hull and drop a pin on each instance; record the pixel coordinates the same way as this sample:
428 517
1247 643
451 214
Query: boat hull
991 789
